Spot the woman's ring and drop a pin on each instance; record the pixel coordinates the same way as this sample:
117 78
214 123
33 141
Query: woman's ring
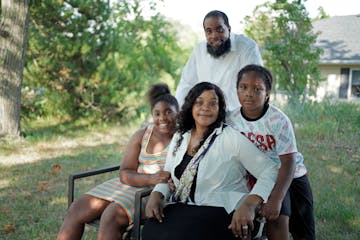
245 227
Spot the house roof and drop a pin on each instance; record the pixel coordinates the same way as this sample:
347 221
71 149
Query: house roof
339 37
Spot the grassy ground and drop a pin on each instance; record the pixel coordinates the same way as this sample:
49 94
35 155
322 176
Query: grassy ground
34 172
329 138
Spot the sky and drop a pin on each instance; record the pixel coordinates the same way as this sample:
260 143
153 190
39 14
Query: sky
192 12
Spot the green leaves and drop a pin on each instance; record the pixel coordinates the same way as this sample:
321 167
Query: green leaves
283 30
96 58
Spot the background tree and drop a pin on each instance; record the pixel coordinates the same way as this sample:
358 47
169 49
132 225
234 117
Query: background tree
94 58
13 35
283 30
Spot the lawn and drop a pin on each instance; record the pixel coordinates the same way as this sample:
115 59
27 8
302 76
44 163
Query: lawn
34 171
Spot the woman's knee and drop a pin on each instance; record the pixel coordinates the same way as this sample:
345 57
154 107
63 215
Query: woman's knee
86 208
115 214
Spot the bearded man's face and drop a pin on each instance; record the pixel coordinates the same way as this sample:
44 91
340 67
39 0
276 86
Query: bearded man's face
217 35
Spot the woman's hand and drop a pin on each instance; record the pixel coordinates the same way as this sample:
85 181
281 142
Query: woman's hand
159 177
243 217
171 185
154 208
242 221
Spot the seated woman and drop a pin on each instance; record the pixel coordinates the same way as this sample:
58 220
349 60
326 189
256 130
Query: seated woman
142 165
208 162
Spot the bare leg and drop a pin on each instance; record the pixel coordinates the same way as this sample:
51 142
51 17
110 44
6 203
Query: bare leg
113 222
278 229
86 209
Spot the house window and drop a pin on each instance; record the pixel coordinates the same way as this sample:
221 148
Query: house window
344 82
355 83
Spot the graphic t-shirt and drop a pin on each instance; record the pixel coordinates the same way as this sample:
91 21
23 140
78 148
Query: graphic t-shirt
272 133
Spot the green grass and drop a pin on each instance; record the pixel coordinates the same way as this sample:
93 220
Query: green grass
33 190
328 135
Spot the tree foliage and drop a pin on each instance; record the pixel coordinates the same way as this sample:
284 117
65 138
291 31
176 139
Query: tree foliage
95 58
283 30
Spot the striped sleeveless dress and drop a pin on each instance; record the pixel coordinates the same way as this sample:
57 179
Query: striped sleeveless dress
115 191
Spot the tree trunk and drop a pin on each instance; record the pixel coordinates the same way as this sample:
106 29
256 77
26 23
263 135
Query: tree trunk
13 41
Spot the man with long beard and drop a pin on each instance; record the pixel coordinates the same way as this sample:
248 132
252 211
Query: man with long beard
218 59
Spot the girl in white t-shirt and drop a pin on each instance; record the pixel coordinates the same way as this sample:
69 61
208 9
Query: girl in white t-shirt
290 205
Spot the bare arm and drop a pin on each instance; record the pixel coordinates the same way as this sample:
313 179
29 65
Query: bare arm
130 163
271 209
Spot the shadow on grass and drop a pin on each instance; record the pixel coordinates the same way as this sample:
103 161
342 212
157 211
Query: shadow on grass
34 196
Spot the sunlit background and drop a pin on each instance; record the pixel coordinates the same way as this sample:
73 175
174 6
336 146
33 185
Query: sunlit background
191 12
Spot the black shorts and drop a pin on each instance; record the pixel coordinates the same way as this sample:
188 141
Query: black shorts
298 204
286 205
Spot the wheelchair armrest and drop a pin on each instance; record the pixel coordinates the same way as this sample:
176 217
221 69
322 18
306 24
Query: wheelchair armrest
139 195
84 174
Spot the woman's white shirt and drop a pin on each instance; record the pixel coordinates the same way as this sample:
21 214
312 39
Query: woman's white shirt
222 178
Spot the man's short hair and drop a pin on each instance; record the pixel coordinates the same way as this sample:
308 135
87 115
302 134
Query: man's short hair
217 13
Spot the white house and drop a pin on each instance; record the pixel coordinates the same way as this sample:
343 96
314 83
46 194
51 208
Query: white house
339 37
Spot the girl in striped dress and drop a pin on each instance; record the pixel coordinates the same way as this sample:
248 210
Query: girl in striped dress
141 166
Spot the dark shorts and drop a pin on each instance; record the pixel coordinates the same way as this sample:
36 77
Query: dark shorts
301 223
298 205
190 222
286 205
